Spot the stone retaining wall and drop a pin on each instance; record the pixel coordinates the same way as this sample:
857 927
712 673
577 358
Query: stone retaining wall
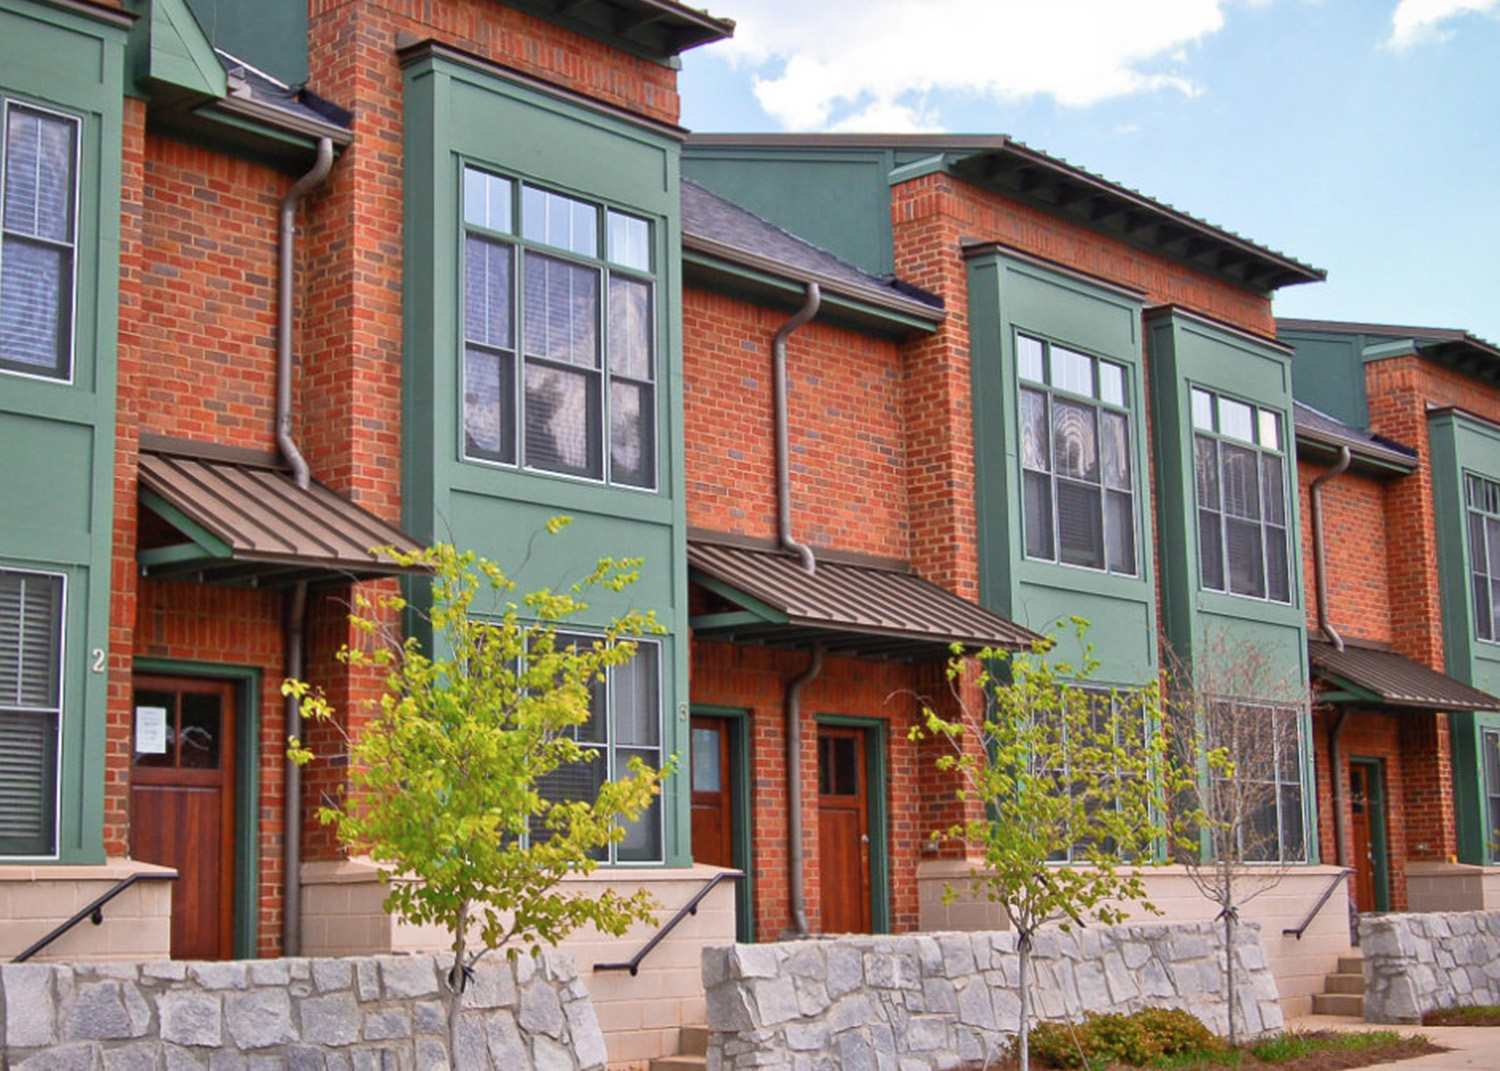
936 1001
381 1013
1415 963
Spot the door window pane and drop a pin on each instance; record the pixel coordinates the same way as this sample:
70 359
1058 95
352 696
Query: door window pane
707 774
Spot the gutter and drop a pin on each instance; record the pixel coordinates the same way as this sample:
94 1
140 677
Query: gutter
296 607
795 878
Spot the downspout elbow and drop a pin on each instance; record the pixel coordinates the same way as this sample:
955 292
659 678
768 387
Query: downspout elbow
285 273
809 309
1320 560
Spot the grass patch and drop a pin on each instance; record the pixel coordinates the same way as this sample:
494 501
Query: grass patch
1479 1015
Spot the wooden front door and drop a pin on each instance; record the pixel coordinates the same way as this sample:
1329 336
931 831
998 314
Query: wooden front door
182 804
1366 841
843 830
713 805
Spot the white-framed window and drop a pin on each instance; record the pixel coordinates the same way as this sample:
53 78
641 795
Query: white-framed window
31 645
1078 484
1240 463
1267 805
625 722
1482 501
1106 711
38 239
559 334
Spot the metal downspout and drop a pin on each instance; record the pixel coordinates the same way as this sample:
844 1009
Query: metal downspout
808 310
1336 731
296 607
794 788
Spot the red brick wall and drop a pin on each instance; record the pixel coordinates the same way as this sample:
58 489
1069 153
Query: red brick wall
207 321
847 437
755 679
1355 546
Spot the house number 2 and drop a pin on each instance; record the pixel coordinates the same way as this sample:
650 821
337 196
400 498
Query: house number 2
98 663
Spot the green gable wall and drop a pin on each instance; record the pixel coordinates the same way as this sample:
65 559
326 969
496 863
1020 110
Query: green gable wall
1328 374
58 438
270 35
457 114
1007 296
1187 352
837 199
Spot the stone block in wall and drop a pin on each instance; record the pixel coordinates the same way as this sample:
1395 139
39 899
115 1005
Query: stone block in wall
1416 963
364 1014
932 1001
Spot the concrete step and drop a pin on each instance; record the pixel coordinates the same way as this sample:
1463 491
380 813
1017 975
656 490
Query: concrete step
693 1040
679 1063
1344 983
1336 1004
1352 965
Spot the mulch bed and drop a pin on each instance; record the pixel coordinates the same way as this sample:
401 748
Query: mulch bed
1320 1060
1489 1015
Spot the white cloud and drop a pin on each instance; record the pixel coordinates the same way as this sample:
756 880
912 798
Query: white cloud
862 64
1417 22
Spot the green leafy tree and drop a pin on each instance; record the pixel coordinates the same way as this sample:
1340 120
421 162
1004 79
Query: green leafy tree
446 777
1053 771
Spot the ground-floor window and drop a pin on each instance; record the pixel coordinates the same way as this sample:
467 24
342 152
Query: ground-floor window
31 643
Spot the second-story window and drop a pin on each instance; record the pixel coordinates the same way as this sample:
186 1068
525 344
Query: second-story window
38 198
559 366
1079 490
1482 499
1239 457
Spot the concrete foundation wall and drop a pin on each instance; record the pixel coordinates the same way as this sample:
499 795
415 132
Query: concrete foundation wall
641 1015
36 899
1452 887
1298 965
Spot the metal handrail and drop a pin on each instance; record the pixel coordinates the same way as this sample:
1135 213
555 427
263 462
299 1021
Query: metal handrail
689 908
94 912
1338 879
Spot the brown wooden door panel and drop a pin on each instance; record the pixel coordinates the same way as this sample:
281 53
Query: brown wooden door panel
843 831
713 812
182 805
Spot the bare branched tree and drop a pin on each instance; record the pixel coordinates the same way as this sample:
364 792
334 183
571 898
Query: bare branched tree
1237 716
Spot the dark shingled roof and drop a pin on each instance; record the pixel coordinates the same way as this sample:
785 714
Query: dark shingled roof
862 610
1316 428
714 225
243 520
1393 679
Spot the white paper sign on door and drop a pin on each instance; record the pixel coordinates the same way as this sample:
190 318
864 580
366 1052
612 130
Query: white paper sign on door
150 730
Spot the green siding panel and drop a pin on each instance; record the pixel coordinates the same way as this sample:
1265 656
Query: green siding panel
65 60
268 34
1007 296
180 54
839 200
1460 444
1328 373
456 115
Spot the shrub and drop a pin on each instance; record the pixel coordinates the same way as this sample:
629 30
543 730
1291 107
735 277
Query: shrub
1141 1039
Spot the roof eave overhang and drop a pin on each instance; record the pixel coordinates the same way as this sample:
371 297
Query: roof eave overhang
1368 458
712 260
658 30
1024 174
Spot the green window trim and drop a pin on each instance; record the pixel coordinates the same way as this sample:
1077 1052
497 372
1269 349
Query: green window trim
1482 513
559 293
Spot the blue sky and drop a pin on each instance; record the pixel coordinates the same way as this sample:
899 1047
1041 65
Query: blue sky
1361 136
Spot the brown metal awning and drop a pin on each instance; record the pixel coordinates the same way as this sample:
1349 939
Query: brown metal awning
217 516
860 610
1368 674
